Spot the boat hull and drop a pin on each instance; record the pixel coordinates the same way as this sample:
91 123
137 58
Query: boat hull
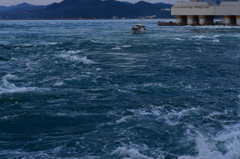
138 31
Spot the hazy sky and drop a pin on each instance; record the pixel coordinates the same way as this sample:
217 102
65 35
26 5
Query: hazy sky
44 2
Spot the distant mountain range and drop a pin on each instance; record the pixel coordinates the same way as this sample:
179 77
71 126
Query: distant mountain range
86 9
20 7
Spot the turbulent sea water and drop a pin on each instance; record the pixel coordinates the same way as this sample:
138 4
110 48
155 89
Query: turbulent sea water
93 90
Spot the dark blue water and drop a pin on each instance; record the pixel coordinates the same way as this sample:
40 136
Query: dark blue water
93 90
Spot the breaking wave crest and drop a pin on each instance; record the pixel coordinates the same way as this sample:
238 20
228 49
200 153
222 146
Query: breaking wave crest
224 146
132 153
8 87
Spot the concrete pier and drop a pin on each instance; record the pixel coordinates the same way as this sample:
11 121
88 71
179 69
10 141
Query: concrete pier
197 12
202 19
181 20
238 20
190 19
227 20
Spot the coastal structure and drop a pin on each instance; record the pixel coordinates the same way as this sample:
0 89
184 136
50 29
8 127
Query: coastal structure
197 12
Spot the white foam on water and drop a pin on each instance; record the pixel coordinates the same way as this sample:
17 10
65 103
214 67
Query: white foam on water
172 118
179 39
216 41
59 83
224 146
74 58
61 114
97 41
27 45
123 119
57 149
213 116
140 112
50 43
168 120
8 117
98 69
47 79
39 44
116 48
74 52
131 153
154 84
217 36
86 61
5 42
7 87
14 59
197 43
126 46
9 76
123 91
71 57
23 155
184 113
199 36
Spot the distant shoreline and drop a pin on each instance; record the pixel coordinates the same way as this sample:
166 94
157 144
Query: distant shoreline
163 19
91 19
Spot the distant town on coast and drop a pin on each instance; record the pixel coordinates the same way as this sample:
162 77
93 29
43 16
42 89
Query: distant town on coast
87 9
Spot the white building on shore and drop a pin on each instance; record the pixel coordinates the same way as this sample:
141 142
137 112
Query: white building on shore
197 12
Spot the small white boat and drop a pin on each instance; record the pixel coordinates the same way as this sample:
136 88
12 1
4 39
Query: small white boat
139 28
